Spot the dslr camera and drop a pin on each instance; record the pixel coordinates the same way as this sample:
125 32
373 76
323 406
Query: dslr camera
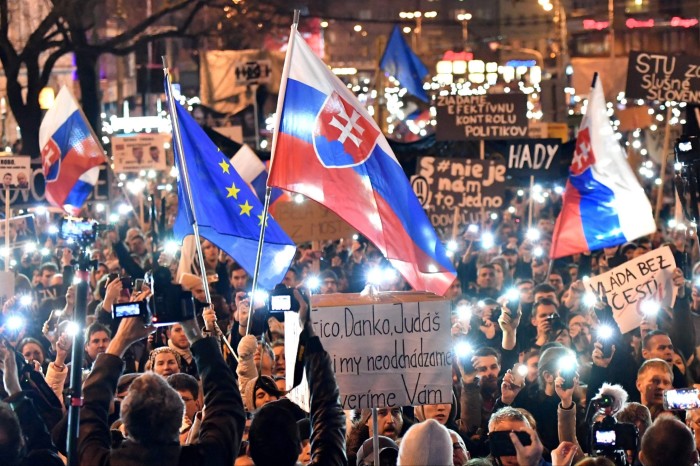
612 439
169 304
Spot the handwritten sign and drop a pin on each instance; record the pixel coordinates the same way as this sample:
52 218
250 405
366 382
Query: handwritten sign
442 185
387 354
531 157
662 77
644 278
490 116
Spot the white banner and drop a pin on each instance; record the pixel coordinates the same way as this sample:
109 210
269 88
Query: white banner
644 278
143 151
389 354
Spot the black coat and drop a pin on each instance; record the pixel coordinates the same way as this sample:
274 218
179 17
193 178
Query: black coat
220 434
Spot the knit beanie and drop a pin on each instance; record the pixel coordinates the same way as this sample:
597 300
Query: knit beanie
427 443
265 382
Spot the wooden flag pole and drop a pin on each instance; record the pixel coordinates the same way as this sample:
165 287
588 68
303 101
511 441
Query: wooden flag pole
664 160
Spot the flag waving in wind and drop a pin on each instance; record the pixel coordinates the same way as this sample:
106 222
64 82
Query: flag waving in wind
329 149
604 205
70 154
228 213
400 62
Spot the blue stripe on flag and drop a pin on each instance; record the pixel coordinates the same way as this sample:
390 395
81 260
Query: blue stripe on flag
597 202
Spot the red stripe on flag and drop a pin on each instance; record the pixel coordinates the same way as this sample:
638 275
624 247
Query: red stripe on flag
568 237
343 191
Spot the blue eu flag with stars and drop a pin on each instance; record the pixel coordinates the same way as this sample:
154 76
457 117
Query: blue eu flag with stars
228 213
403 64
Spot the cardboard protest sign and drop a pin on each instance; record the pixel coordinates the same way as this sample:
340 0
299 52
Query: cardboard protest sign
309 221
136 152
392 351
541 158
663 77
633 118
644 278
443 185
489 116
15 171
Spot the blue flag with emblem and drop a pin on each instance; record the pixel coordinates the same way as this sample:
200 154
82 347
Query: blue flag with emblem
228 213
404 65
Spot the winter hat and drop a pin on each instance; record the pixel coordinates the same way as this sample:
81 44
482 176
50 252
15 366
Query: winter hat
387 447
426 444
265 382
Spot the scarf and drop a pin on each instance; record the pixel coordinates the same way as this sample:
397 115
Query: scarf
185 354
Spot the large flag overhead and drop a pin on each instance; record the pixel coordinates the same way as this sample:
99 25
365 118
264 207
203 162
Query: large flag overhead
403 64
70 154
603 204
329 149
228 213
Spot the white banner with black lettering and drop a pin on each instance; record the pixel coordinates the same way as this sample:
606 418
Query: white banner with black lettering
647 278
393 354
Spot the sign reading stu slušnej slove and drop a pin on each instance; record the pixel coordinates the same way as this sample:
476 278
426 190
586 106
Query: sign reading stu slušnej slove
388 354
657 76
490 116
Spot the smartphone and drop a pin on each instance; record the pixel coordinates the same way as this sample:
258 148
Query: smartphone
501 445
138 285
682 398
519 372
122 310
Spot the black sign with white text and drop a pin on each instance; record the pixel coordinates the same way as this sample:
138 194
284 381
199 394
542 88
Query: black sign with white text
490 116
662 77
523 158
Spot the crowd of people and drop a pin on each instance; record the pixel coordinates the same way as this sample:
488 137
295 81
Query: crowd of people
541 373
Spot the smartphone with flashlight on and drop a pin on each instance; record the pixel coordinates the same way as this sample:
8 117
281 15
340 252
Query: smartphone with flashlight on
519 372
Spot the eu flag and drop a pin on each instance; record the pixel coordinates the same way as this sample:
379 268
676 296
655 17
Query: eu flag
400 62
228 213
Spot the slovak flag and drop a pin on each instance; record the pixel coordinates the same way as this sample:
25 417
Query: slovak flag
328 148
603 204
70 154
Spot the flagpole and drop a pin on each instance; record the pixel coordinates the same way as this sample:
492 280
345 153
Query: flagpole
180 154
177 139
268 190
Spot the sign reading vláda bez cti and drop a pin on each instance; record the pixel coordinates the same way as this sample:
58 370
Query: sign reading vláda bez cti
662 77
394 350
490 116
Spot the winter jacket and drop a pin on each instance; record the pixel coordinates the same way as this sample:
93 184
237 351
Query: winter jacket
220 432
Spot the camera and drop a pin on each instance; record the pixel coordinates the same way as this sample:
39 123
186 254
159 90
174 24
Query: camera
556 323
612 439
282 299
170 303
500 443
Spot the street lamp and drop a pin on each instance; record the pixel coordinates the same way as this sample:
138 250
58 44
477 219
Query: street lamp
464 18
418 16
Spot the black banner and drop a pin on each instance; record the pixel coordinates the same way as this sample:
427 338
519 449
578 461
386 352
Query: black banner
662 77
546 159
490 116
442 185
